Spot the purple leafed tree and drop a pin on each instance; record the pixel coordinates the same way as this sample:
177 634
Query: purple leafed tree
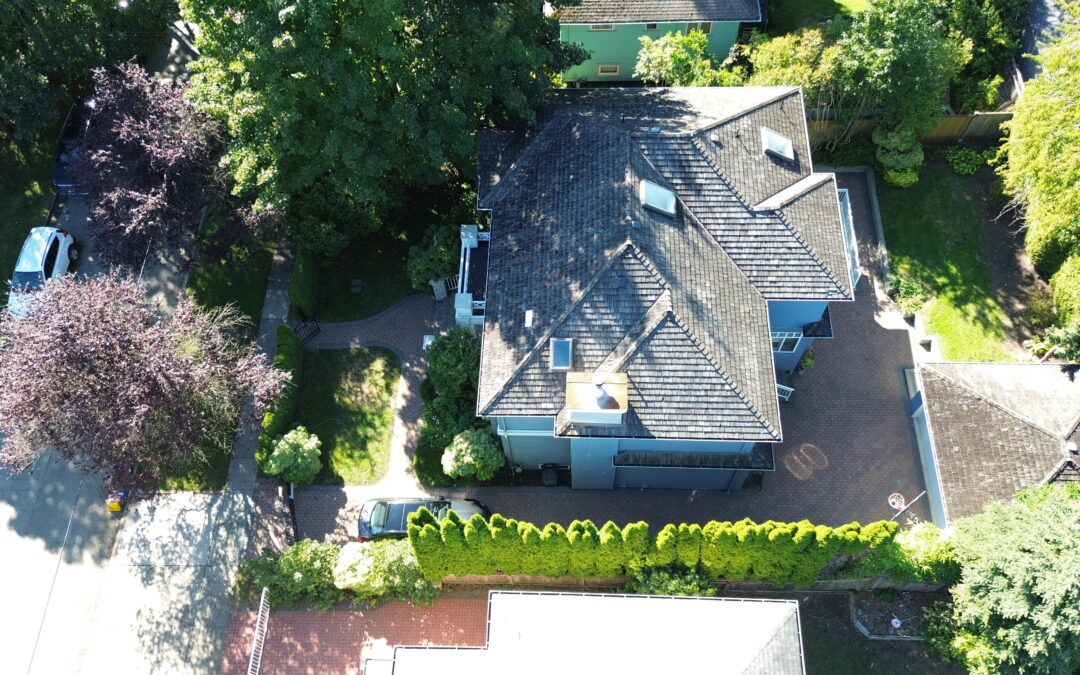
95 371
148 159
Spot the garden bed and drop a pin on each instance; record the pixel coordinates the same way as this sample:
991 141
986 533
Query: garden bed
346 398
873 613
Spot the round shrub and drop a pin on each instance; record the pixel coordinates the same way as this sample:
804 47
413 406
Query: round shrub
1047 246
376 570
295 457
1066 287
964 161
900 153
301 573
473 453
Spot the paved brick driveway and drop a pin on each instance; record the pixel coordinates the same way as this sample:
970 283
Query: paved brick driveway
301 641
848 440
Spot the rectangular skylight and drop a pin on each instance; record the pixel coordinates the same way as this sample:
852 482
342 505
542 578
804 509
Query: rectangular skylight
657 197
562 353
775 144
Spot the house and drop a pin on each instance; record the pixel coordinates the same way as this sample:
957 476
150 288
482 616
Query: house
530 632
656 259
988 430
611 30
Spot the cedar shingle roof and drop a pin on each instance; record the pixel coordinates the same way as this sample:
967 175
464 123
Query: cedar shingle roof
641 11
998 428
676 302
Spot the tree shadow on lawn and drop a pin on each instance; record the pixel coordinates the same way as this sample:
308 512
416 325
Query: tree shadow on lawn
346 399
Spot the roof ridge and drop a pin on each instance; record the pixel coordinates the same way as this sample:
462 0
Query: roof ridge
635 337
812 180
723 373
747 111
1020 417
496 193
546 335
813 254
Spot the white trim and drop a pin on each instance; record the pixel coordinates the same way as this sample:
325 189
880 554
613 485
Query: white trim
697 25
783 336
601 27
600 70
551 353
933 453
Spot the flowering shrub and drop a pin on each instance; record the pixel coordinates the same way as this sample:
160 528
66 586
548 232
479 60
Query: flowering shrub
379 569
295 457
304 572
473 453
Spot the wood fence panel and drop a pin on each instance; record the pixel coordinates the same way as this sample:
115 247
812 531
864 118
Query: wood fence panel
987 125
946 129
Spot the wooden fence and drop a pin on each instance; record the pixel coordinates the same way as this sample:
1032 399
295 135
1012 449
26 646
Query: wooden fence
876 583
947 128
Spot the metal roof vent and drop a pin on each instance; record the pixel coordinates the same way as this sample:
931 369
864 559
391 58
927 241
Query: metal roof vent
654 130
529 315
657 197
714 137
562 353
1071 447
777 145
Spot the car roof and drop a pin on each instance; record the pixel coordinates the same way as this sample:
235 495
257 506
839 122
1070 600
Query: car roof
33 250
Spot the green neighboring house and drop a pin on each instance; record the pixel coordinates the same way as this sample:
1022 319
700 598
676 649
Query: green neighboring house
611 30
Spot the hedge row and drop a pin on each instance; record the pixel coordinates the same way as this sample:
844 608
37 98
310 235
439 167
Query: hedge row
782 553
1065 285
289 356
303 288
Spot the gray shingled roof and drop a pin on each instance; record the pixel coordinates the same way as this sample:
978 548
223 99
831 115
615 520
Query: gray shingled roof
640 11
678 303
997 428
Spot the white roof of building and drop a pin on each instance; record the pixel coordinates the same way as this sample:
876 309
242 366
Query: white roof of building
595 633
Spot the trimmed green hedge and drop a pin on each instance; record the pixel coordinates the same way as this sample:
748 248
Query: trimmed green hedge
782 553
1066 287
289 356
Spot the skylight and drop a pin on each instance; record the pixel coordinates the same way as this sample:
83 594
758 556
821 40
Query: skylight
657 197
775 144
562 351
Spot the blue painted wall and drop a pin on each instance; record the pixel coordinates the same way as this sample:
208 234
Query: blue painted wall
531 442
792 315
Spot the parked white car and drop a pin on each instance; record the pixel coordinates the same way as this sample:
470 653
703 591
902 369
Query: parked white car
48 252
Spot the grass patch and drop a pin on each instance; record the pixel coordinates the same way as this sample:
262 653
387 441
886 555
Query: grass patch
932 230
229 269
345 399
25 195
208 477
788 16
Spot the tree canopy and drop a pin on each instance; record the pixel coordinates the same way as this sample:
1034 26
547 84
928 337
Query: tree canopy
679 60
337 109
147 159
96 372
1018 602
50 46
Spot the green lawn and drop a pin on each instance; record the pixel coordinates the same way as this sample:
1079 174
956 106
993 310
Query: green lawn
378 261
226 273
25 195
932 231
345 399
788 16
223 274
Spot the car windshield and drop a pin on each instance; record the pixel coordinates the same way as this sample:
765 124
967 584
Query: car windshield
27 281
378 517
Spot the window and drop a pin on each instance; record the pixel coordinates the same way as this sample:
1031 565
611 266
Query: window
50 258
704 27
562 351
598 27
608 69
785 342
777 145
657 197
650 26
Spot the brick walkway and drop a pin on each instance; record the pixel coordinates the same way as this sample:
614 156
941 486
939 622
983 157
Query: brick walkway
848 443
301 641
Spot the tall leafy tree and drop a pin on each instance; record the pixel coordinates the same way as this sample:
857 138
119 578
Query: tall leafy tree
1017 607
148 160
1043 150
338 109
679 60
97 373
50 46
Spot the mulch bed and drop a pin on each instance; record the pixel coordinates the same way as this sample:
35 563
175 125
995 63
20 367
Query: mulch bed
875 610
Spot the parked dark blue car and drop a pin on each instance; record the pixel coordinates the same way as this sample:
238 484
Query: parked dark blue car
76 124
